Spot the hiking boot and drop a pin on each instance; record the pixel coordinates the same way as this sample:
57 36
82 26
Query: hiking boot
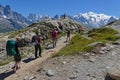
18 68
40 55
13 67
36 57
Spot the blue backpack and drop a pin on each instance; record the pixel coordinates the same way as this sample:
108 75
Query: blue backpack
10 47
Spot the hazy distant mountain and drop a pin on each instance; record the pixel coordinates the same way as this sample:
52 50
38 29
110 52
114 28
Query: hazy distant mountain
36 18
90 19
94 20
10 20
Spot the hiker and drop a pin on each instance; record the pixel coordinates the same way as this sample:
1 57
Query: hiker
13 49
60 26
68 35
54 37
37 40
80 30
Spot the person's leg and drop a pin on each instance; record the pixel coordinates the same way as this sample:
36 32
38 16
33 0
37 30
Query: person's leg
17 59
39 46
15 67
67 38
36 50
53 42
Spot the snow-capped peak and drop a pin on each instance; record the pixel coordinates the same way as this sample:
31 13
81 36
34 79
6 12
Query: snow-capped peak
93 19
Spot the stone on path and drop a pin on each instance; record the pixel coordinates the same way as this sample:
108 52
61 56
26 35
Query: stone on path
114 74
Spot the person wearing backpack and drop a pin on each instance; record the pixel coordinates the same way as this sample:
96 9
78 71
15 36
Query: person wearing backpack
80 30
54 37
37 40
13 49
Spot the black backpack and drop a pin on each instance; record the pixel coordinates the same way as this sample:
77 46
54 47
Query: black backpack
34 40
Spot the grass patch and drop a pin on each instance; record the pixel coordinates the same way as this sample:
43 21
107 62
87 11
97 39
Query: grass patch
2 63
103 34
6 61
88 48
80 44
76 45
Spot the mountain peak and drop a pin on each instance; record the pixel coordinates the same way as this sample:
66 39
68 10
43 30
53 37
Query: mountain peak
93 19
8 7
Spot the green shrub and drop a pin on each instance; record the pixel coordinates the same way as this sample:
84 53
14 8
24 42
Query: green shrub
104 30
2 63
88 48
112 38
75 46
80 44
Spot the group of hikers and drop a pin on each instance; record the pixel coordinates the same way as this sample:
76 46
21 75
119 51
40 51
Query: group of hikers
13 46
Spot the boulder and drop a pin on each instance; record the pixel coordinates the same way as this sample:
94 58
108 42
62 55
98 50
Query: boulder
114 74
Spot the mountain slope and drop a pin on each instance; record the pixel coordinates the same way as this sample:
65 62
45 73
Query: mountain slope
115 25
44 27
10 20
67 23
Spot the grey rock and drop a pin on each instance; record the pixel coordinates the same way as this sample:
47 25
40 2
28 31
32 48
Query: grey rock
114 53
64 62
32 78
114 73
50 73
102 52
73 77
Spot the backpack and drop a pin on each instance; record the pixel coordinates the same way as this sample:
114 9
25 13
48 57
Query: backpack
36 40
39 40
54 33
10 47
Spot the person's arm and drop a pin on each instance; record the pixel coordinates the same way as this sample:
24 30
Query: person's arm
18 46
19 49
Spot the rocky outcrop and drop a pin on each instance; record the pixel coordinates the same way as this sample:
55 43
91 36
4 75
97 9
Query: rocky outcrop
114 74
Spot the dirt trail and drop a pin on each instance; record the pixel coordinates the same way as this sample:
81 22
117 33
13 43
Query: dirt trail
32 66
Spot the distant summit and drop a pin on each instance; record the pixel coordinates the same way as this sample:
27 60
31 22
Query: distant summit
90 19
94 20
36 18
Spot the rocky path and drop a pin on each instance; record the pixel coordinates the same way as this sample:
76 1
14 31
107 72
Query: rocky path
29 67
88 66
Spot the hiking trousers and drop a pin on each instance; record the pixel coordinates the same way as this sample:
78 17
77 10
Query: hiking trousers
37 48
54 42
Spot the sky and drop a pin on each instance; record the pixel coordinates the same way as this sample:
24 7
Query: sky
70 7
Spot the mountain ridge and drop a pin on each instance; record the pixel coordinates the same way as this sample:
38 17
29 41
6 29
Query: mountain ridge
91 19
11 20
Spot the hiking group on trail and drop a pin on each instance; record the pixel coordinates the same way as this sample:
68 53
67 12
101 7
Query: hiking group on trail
13 47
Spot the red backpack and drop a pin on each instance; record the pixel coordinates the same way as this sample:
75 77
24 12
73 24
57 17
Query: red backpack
54 33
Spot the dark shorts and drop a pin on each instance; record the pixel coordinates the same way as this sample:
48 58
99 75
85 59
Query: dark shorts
17 58
68 35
